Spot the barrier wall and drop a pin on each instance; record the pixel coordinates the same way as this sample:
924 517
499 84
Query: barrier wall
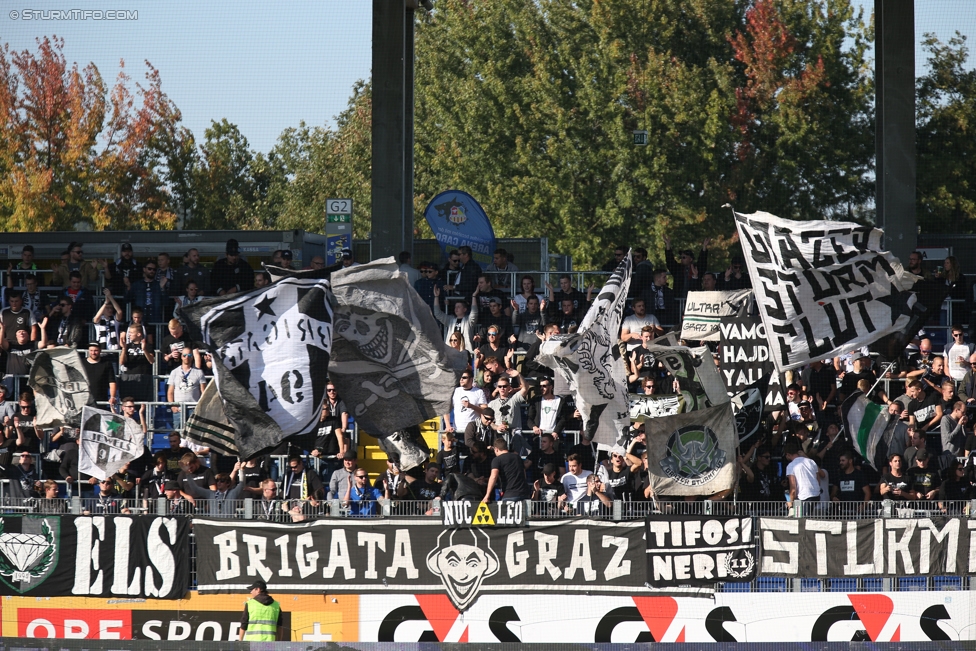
537 618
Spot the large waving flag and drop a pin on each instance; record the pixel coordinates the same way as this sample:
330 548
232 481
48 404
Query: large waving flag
822 287
874 431
107 442
589 361
60 387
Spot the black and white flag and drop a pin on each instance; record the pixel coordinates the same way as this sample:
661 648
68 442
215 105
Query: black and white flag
644 407
209 426
107 442
270 350
589 360
60 387
704 312
694 370
823 288
745 360
748 407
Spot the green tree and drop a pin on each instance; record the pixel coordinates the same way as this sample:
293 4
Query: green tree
223 182
945 137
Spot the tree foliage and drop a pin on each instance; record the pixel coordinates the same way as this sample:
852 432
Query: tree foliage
946 139
74 152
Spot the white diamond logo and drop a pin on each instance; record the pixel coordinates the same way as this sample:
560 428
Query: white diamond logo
23 549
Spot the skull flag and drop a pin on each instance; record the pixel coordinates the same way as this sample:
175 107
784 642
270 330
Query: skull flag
693 453
388 359
271 349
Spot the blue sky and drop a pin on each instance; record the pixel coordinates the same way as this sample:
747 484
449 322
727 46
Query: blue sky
266 66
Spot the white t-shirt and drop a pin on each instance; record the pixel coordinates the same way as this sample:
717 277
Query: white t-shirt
952 361
634 324
548 411
521 300
186 384
807 483
464 415
575 485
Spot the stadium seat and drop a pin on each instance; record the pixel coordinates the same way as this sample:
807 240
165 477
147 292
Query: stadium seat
873 584
947 582
911 583
810 585
842 585
771 584
738 586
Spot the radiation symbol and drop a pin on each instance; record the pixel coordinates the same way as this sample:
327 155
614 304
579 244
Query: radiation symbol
482 517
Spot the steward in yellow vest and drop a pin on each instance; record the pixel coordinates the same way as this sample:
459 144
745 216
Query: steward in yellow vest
261 621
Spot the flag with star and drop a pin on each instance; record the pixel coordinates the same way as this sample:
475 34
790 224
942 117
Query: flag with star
270 348
823 287
107 442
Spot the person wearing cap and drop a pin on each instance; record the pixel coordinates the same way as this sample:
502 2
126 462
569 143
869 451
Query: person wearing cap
347 260
122 271
687 275
232 273
341 479
735 276
262 619
617 474
101 375
427 282
287 258
176 504
924 479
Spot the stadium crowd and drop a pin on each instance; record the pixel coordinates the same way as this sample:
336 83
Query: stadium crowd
509 434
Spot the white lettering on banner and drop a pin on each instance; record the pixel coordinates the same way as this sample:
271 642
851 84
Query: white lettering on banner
823 527
372 542
307 562
229 566
86 550
547 554
339 556
515 561
402 556
898 545
282 544
949 533
257 552
853 568
121 574
617 567
580 557
770 544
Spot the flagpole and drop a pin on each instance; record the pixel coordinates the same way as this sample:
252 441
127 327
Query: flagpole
880 377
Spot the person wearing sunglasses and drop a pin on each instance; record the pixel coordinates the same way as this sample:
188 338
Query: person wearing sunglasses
146 293
64 327
75 262
427 282
957 353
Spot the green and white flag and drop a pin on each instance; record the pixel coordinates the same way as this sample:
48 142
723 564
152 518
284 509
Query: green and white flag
692 453
874 431
108 442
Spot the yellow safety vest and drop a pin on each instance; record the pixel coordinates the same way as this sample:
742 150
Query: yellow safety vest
262 621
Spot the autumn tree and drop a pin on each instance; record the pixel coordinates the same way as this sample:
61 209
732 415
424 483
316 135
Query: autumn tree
71 151
945 139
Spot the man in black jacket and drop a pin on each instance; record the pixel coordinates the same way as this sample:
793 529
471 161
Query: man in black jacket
65 329
231 274
687 275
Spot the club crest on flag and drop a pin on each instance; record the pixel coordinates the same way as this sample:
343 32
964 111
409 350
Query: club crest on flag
693 455
276 344
28 557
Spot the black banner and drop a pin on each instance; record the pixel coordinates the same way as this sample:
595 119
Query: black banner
915 546
579 556
699 551
91 556
745 358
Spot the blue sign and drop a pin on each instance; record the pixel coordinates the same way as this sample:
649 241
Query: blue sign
334 246
458 220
